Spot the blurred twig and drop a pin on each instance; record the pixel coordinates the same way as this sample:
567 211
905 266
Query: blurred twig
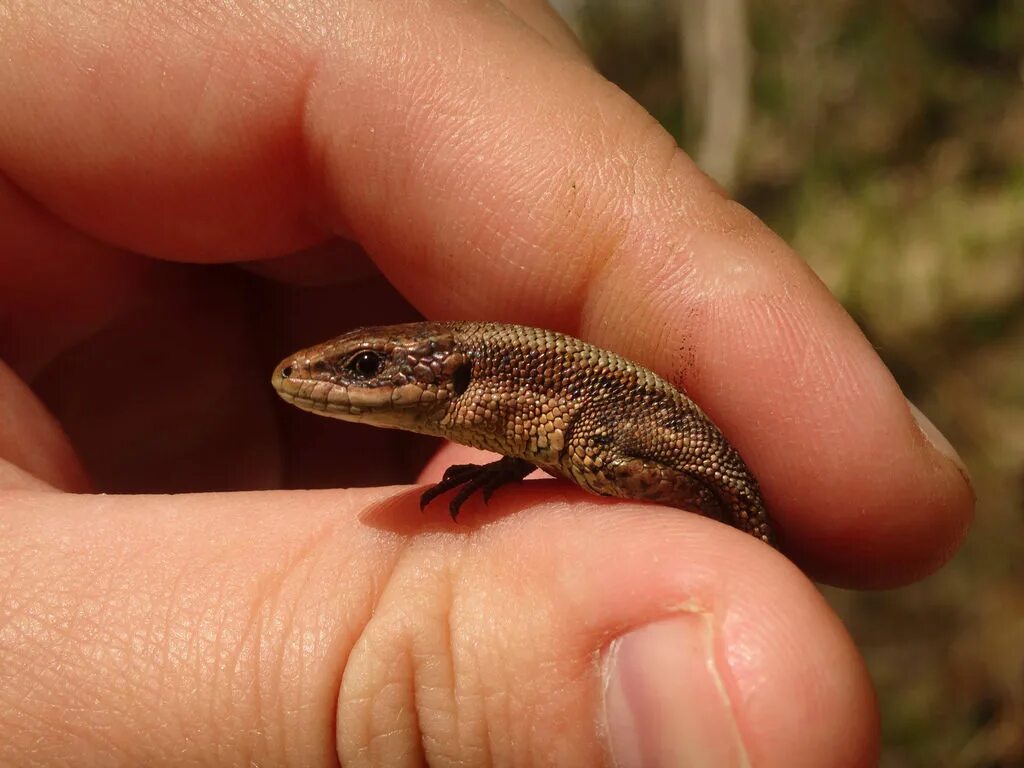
716 76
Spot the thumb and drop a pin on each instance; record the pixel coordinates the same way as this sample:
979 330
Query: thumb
307 627
553 629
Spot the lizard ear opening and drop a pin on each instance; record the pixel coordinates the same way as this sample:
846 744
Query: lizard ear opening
461 377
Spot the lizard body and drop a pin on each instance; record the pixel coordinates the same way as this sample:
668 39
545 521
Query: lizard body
541 398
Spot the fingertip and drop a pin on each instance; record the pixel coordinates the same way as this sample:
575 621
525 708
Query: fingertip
670 698
718 651
801 687
665 701
863 492
32 441
898 511
759 672
940 443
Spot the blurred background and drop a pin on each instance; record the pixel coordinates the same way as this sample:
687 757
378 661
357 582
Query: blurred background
885 141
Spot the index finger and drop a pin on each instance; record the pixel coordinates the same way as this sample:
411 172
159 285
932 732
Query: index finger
541 194
490 175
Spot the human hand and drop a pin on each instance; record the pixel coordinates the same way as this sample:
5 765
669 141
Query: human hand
489 173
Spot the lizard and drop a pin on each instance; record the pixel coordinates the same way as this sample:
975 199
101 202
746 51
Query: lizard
541 399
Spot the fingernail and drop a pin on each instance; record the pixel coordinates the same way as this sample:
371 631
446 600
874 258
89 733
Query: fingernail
938 440
665 703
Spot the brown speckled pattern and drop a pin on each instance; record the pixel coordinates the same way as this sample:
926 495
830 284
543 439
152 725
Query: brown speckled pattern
573 409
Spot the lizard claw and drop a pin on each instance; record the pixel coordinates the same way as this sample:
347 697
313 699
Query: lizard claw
486 478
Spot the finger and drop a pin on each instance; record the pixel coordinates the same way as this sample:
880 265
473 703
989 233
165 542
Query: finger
509 182
300 628
34 451
165 129
201 154
57 286
562 204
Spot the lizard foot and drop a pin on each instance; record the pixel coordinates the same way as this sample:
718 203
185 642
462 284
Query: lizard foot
486 478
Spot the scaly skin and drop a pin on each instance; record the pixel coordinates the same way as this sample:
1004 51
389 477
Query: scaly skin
540 398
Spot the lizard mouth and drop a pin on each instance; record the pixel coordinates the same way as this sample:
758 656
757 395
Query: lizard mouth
320 395
332 398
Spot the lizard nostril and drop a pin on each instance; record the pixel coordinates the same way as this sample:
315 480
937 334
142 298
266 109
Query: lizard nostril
286 372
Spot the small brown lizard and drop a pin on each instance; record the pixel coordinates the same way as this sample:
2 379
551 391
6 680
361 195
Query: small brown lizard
542 399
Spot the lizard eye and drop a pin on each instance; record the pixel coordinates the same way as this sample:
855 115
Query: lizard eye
365 364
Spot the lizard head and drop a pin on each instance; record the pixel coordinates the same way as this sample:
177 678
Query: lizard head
391 376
